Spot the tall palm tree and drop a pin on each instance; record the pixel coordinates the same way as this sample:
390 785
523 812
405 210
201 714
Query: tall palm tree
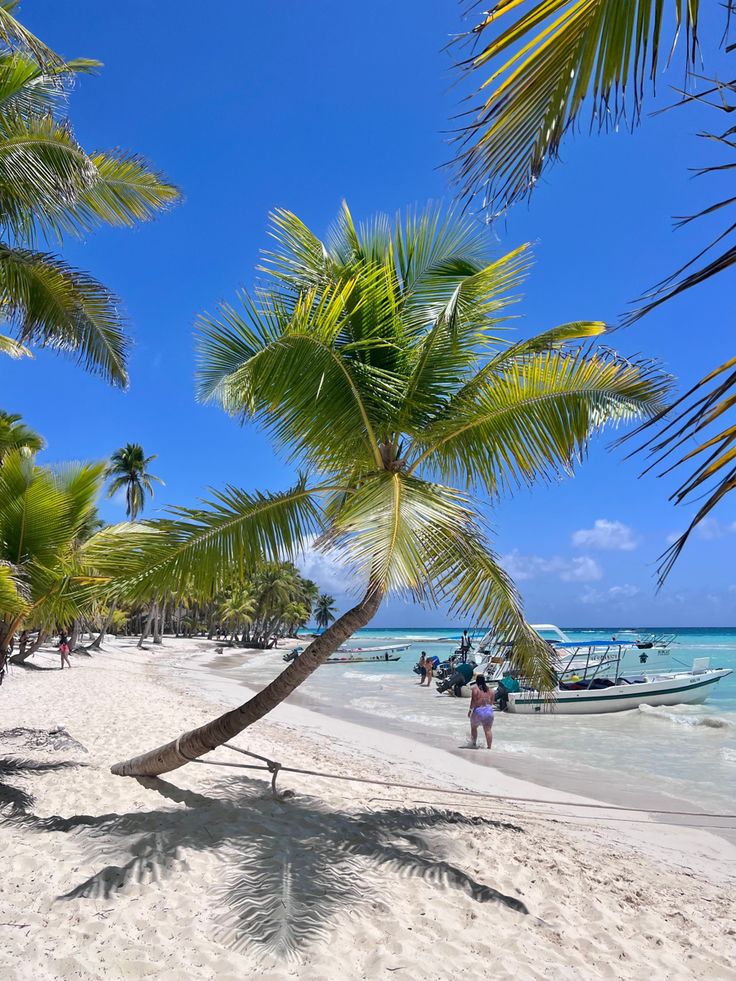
537 65
16 435
324 610
374 359
50 187
128 470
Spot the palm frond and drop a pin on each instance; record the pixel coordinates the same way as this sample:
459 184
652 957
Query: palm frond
123 192
15 435
534 418
308 391
43 169
13 33
13 349
60 307
28 87
558 58
676 426
195 550
699 269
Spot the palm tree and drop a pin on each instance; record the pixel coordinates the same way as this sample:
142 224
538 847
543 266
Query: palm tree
50 187
16 435
237 610
127 469
539 70
375 360
324 610
45 515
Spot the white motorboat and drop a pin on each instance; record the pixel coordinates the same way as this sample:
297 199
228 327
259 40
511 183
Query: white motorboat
596 694
592 679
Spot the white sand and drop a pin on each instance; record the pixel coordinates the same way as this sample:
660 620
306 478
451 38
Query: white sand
204 875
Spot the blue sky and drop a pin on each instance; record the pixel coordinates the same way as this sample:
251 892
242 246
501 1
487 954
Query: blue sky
301 105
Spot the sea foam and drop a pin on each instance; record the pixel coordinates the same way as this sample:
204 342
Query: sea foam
682 719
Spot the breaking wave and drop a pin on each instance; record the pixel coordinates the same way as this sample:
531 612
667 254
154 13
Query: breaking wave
682 719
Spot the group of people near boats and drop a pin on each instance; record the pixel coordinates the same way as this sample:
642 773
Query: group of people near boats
482 698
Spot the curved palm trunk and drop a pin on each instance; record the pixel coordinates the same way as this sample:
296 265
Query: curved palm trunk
97 642
31 649
208 737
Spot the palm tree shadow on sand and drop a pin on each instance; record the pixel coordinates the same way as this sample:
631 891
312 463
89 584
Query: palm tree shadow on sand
292 866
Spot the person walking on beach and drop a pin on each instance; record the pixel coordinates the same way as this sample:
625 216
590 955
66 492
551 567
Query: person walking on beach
422 667
429 667
64 650
481 712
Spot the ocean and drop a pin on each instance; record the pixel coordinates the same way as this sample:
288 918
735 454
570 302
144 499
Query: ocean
681 753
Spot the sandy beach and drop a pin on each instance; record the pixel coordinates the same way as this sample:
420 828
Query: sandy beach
204 874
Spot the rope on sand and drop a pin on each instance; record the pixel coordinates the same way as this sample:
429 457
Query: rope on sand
275 768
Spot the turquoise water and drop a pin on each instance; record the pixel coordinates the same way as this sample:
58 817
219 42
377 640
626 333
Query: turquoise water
684 752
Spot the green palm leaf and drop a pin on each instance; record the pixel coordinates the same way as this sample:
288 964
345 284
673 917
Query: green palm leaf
534 418
556 59
56 306
29 87
196 550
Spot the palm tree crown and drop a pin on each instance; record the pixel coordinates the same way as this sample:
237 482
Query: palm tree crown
324 610
16 435
128 470
50 188
375 359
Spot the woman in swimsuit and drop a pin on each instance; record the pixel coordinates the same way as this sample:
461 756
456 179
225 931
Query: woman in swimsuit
64 650
481 712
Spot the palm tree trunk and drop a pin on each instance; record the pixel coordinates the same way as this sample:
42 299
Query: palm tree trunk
74 639
29 651
146 626
157 618
203 740
97 642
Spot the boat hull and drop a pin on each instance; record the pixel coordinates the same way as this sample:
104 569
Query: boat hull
668 690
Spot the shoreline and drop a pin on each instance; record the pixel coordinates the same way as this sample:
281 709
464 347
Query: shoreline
582 781
202 874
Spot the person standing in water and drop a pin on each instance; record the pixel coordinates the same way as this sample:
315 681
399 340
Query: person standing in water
422 667
481 712
64 650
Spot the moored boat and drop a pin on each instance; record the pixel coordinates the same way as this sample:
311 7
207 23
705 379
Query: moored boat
594 695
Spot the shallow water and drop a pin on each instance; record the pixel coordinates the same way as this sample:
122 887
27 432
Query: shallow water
686 752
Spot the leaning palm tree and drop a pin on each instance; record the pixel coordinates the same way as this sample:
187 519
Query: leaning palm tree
375 361
324 610
16 435
128 471
537 66
50 187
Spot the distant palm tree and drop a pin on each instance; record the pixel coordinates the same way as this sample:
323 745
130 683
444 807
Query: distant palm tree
127 469
324 610
50 188
15 435
375 360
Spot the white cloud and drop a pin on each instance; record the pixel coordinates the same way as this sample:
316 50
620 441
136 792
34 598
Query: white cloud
614 594
581 568
605 534
330 575
709 530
